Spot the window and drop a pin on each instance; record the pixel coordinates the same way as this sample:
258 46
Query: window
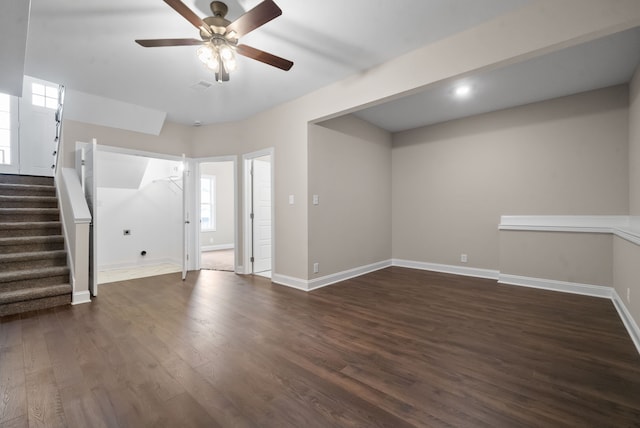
44 96
5 129
208 203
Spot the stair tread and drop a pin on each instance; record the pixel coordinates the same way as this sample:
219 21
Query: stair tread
13 240
29 210
19 275
26 186
27 198
31 255
26 294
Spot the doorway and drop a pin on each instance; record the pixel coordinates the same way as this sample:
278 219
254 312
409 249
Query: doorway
217 234
258 169
130 189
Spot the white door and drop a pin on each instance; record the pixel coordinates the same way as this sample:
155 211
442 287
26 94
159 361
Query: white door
88 173
8 134
261 214
38 127
185 218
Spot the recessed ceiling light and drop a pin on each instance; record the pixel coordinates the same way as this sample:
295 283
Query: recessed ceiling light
462 91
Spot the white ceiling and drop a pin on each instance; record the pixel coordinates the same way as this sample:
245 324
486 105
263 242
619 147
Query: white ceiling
89 46
593 65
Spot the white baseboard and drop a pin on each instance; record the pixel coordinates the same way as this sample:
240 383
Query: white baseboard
562 286
80 297
290 281
314 284
323 281
144 262
627 319
240 270
217 247
455 270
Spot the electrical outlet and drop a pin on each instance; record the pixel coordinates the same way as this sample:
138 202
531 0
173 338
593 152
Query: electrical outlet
628 295
126 232
316 200
463 258
316 267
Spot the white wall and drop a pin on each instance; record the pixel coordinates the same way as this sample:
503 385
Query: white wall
153 213
224 233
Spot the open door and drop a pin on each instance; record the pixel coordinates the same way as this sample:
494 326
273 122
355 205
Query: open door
185 217
261 196
88 176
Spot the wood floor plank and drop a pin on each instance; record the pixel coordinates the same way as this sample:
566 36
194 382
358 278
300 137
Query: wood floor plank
45 403
13 394
394 348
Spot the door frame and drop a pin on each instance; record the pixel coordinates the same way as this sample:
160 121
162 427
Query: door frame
14 129
196 207
246 211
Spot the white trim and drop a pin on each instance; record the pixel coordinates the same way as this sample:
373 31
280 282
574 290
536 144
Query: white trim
145 262
553 285
290 281
216 247
323 281
622 226
314 284
455 270
240 270
627 319
80 297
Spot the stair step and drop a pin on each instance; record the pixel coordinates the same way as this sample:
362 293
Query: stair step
26 179
29 214
13 201
26 189
30 228
34 259
28 244
20 301
33 278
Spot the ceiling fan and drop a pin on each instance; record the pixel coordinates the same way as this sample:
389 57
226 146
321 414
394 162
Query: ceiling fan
219 36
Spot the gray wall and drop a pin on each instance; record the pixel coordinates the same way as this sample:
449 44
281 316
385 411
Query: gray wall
453 181
350 171
626 271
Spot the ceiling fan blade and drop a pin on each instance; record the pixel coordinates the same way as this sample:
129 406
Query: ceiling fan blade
157 43
265 57
256 17
189 15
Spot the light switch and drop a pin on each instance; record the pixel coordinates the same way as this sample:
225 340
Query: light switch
291 199
316 200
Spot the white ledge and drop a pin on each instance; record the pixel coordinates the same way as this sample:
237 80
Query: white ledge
618 225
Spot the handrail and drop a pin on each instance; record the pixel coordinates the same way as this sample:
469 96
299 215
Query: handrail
59 110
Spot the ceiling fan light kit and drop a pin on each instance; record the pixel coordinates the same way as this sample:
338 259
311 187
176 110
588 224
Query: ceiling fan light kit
219 37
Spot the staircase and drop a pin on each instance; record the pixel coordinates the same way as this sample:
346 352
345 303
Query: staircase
33 262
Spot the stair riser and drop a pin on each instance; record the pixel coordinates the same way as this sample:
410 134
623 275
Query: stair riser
29 203
34 282
26 179
32 305
31 247
11 217
36 231
33 264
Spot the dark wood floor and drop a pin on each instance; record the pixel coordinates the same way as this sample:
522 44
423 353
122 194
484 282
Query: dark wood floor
395 348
